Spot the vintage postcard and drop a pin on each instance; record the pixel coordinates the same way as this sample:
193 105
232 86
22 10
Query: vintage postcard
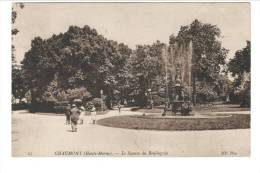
131 79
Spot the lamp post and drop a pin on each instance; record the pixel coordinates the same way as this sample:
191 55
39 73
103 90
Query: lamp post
150 97
101 96
194 78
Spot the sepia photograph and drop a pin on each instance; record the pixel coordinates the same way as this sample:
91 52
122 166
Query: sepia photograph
131 79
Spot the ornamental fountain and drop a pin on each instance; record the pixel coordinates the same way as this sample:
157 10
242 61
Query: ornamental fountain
177 59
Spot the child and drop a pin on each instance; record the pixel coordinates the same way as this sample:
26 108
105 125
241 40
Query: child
119 108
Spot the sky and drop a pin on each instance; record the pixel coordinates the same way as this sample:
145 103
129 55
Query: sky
132 23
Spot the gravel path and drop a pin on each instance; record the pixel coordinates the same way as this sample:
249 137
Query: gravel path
47 135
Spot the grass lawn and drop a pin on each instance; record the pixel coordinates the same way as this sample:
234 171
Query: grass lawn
200 108
237 121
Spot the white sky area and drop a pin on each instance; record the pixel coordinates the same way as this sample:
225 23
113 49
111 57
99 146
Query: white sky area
132 23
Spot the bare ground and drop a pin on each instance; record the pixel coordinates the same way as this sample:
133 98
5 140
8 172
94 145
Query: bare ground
47 135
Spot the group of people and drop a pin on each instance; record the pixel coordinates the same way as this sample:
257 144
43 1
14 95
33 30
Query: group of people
74 115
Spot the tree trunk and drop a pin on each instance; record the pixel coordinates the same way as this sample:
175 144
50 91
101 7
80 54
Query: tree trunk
194 91
33 106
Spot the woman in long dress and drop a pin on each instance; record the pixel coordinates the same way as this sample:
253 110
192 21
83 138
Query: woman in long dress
81 116
93 114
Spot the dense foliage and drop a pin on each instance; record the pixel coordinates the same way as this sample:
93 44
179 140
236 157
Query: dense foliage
19 84
239 67
80 63
77 58
147 69
207 59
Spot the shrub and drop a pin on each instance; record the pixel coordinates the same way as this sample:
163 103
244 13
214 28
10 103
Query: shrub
53 96
72 94
157 100
245 101
205 94
244 95
19 106
98 103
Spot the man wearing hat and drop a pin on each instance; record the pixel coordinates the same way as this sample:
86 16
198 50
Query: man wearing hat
75 113
68 114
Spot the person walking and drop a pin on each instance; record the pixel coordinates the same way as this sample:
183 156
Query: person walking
119 108
75 113
68 114
93 114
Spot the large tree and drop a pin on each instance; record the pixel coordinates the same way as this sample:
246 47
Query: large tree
239 67
19 85
16 6
240 64
147 68
208 53
77 58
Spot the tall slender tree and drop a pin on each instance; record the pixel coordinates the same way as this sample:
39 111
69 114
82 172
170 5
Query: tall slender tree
208 53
